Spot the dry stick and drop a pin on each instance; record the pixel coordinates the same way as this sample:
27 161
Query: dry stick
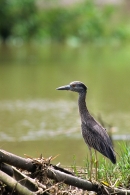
116 191
27 164
71 180
14 185
26 181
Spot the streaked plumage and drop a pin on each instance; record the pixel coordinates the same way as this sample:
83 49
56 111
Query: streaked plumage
93 133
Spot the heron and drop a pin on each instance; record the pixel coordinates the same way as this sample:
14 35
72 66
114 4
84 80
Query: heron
95 136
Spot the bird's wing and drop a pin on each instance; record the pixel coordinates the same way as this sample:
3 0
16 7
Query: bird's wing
96 137
97 130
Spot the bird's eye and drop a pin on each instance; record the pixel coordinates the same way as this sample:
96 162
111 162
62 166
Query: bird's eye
73 85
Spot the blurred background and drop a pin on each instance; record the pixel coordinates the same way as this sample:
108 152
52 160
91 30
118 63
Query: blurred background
45 44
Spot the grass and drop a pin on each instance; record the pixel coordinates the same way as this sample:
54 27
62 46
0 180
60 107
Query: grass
108 174
122 171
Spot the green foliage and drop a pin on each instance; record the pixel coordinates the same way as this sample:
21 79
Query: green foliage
18 18
74 167
118 174
85 22
92 21
109 174
55 23
123 166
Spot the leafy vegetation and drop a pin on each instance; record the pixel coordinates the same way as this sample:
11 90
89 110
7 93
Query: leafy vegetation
18 18
85 22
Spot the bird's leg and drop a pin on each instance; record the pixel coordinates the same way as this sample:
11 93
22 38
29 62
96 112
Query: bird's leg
91 160
96 162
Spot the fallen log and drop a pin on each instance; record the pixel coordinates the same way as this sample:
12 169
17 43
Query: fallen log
28 164
7 169
71 180
14 185
16 161
43 166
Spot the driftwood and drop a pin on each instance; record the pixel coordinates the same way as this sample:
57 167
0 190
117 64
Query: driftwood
32 182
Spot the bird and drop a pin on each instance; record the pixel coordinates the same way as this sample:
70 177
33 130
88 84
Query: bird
94 134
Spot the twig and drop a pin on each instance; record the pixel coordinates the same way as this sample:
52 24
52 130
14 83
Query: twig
20 176
26 181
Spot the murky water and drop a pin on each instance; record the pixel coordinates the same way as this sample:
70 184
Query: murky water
35 118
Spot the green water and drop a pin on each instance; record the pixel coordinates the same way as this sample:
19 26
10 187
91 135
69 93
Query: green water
35 118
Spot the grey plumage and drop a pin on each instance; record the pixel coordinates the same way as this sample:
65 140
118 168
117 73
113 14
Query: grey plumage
93 133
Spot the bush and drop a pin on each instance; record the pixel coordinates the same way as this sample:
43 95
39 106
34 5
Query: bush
18 18
85 22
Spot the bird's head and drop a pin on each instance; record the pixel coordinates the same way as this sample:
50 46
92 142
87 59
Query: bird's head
76 86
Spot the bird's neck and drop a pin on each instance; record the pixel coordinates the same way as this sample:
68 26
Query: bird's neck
82 104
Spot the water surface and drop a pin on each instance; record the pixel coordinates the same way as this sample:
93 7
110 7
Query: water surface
35 118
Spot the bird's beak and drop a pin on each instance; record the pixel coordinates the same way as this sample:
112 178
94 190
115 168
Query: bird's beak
66 87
